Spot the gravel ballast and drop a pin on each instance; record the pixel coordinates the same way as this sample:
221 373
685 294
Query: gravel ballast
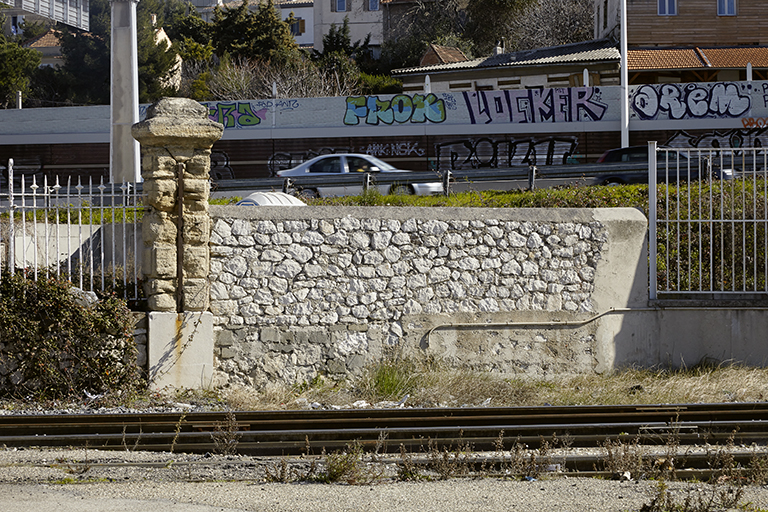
78 479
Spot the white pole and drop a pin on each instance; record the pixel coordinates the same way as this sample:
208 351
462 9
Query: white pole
624 78
427 85
124 95
585 79
749 71
18 100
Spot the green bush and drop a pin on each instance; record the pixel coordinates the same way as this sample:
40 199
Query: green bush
54 345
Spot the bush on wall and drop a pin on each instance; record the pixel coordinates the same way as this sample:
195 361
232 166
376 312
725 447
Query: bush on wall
55 344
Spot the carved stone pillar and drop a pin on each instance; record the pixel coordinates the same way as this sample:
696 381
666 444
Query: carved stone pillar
176 140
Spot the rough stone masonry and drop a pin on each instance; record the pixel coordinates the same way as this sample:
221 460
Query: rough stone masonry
297 292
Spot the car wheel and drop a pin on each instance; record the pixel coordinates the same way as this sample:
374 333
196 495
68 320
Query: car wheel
308 193
402 190
613 182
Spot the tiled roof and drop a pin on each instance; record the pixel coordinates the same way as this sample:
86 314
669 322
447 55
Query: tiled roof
697 58
663 59
48 40
442 55
595 50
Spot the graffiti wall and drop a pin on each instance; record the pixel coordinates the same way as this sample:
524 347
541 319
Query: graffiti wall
719 100
564 106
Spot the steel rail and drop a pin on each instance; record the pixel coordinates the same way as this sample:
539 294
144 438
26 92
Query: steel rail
297 432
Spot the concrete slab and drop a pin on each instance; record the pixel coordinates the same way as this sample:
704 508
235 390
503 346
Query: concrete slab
180 350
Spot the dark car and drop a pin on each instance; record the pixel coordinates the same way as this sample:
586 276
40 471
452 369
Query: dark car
671 165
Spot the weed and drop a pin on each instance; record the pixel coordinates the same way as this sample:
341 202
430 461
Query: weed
178 431
622 458
277 472
226 435
348 466
448 462
407 469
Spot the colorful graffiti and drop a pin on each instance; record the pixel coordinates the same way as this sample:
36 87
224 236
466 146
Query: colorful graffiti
535 105
236 115
488 153
754 122
691 101
399 109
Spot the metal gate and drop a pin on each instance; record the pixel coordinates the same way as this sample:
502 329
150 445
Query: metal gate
708 227
86 233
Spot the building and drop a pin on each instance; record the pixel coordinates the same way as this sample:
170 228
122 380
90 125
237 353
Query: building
365 17
673 41
49 46
557 66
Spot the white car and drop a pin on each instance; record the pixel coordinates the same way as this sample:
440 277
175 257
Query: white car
345 163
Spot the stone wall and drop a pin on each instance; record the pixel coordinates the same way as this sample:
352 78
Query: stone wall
297 292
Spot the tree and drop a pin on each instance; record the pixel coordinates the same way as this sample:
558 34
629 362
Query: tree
84 77
17 65
157 61
552 23
86 58
490 20
423 24
260 35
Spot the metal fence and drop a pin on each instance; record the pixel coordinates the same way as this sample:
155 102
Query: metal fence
708 227
86 233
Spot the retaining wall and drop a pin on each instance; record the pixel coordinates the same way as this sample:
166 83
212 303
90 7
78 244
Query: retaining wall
297 292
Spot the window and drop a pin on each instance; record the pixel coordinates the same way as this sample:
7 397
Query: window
340 5
327 165
371 5
726 7
298 26
667 7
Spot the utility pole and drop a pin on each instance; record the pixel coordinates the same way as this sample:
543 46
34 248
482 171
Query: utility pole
124 94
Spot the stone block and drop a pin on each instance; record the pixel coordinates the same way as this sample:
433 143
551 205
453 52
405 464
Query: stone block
196 294
197 229
196 261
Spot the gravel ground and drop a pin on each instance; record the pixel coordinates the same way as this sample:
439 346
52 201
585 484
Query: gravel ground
99 481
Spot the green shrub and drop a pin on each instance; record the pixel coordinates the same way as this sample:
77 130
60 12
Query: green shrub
53 345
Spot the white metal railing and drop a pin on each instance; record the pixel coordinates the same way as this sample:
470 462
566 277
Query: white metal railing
88 234
708 221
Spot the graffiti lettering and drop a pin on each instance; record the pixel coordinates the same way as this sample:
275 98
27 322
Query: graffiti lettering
489 153
680 101
236 115
754 122
393 149
754 137
560 105
400 109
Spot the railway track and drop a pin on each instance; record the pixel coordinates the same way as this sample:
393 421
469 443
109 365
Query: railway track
270 433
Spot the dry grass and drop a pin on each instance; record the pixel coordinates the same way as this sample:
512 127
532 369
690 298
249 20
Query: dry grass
429 384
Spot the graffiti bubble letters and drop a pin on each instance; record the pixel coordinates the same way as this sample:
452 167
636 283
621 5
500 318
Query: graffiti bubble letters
236 115
755 122
400 109
559 105
679 101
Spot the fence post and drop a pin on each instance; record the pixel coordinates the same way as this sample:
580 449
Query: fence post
177 136
652 166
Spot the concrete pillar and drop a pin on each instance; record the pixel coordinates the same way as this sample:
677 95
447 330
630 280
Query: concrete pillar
124 93
176 140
